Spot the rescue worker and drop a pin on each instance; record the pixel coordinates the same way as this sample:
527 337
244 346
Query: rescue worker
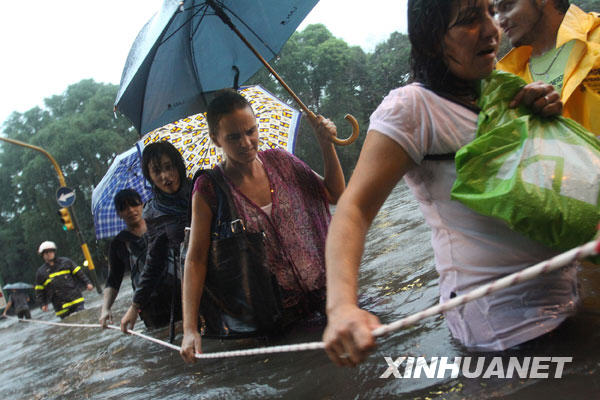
56 281
556 43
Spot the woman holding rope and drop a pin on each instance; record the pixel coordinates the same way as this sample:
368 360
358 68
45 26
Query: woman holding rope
157 296
273 192
454 45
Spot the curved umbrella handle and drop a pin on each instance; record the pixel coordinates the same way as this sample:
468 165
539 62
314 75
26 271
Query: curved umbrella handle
353 137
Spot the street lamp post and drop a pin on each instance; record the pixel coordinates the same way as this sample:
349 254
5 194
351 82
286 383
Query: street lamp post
63 184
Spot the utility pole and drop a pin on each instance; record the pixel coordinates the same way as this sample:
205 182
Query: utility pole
65 192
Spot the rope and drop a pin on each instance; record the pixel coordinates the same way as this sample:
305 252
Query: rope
588 249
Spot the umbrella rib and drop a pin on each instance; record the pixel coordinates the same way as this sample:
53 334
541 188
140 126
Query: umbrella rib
195 29
251 30
200 9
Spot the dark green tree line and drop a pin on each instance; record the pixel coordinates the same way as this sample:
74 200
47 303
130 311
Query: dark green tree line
335 79
79 130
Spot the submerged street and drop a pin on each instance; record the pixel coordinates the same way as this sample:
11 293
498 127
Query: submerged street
398 278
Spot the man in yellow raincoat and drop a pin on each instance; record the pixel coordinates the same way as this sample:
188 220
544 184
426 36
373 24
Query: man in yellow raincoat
558 44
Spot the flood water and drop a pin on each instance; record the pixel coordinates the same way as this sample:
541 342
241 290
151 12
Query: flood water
398 278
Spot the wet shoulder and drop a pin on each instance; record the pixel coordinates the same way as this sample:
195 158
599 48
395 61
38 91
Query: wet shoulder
282 162
123 237
203 185
415 97
422 122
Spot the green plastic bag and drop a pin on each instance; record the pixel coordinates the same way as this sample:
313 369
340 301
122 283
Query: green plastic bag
540 175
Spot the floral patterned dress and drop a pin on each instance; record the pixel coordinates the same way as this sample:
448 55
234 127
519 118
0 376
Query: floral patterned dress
296 228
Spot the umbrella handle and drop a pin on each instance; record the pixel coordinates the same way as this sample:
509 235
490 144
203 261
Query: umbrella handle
355 131
218 9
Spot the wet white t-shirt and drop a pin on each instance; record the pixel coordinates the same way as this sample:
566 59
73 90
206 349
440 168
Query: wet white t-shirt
471 249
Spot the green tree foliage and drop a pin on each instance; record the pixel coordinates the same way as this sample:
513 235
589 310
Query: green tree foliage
588 5
389 68
334 79
80 131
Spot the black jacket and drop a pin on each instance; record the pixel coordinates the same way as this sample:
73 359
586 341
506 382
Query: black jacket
58 284
165 231
126 252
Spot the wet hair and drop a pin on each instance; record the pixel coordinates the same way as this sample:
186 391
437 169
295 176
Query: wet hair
155 151
225 102
428 22
127 198
561 5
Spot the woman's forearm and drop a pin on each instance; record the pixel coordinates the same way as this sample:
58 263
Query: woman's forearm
193 285
109 296
333 175
381 164
194 274
343 252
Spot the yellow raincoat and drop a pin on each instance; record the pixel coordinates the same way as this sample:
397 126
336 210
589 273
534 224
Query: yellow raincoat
581 88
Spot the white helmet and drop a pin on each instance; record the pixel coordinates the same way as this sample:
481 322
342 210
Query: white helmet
47 245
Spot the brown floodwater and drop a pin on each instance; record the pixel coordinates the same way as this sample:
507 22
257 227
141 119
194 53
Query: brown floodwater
397 278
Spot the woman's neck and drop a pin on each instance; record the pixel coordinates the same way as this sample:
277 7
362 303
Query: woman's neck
463 92
237 172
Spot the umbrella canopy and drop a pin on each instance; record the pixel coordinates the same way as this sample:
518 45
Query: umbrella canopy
18 286
125 172
278 125
186 51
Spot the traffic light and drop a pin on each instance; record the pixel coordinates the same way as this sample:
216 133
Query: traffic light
65 217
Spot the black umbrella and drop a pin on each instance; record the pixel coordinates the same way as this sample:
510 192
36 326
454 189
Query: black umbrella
192 48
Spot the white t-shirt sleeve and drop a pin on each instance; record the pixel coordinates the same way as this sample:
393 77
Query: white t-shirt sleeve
422 122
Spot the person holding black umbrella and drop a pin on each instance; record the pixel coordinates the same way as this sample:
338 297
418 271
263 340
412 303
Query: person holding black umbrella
21 302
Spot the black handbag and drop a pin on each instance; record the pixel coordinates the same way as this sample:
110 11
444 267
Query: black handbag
241 297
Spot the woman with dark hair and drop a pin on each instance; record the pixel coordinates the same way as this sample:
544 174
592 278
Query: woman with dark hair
454 45
166 217
275 193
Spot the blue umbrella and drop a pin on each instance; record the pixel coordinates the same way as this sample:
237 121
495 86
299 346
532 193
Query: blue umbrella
187 51
125 172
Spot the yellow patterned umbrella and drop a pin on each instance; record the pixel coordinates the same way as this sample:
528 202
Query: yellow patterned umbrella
278 124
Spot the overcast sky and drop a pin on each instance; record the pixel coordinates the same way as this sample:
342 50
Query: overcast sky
47 45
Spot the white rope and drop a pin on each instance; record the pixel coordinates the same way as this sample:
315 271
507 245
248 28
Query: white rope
588 249
222 354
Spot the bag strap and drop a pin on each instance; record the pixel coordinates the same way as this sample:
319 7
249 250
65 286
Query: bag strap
219 179
224 197
222 193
